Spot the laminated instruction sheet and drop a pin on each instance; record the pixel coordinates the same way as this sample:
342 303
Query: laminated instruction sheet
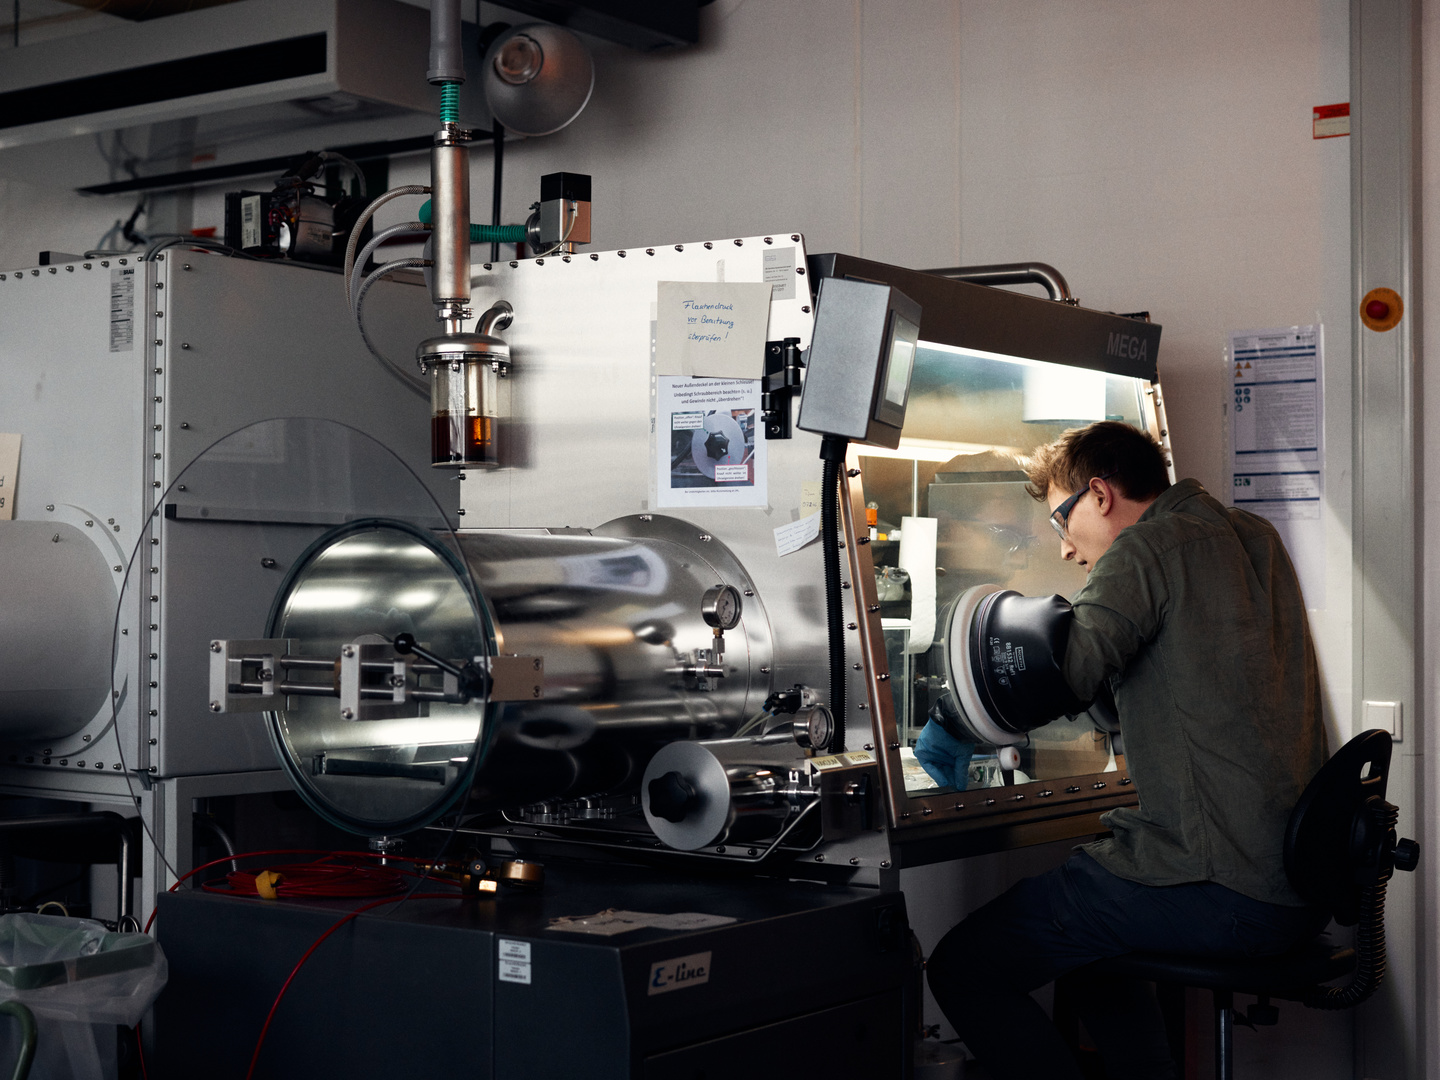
710 442
1277 436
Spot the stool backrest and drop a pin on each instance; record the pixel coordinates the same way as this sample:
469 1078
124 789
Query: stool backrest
1341 835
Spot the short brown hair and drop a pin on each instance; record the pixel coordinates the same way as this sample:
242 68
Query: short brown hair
1130 457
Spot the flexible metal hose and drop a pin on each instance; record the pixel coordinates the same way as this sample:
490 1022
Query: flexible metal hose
412 382
363 219
380 238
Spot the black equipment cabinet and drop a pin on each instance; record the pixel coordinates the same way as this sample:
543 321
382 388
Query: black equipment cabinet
816 973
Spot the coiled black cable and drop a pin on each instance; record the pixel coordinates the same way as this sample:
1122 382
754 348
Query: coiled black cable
832 453
1370 958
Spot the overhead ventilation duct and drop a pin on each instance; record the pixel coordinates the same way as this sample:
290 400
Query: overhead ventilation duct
272 64
644 27
142 10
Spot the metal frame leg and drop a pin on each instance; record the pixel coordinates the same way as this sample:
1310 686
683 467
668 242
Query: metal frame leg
1224 1035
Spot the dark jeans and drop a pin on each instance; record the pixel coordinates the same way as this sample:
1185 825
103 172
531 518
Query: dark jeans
983 970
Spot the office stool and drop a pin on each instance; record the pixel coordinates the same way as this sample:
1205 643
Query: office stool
1340 851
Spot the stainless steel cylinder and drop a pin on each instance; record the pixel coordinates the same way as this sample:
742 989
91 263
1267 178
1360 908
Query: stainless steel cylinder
616 618
450 222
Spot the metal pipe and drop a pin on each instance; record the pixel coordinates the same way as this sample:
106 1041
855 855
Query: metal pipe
1018 273
450 206
496 319
126 901
220 834
1224 1035
497 136
299 689
447 55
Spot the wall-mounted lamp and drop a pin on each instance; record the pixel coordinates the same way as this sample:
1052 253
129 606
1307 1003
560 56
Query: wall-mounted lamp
537 78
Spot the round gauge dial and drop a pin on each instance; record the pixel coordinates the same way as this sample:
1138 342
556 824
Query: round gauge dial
720 606
820 728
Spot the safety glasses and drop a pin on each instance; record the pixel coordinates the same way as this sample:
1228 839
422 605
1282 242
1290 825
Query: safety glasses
1060 516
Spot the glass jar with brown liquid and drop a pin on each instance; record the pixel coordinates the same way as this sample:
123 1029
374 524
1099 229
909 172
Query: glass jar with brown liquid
469 392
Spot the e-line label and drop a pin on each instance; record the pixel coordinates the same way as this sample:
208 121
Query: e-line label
679 974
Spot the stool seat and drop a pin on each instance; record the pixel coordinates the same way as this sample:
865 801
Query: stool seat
1291 976
1340 851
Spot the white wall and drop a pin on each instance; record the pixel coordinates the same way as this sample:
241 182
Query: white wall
1159 154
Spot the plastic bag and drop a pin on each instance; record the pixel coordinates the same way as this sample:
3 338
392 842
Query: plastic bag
75 969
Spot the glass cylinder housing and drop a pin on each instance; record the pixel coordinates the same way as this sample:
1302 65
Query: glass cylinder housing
469 398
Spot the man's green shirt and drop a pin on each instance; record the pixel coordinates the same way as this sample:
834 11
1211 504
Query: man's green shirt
1195 615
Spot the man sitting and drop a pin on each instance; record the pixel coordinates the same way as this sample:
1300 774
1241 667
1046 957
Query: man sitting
1193 614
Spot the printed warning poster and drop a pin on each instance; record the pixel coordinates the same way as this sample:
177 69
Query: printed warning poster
1276 438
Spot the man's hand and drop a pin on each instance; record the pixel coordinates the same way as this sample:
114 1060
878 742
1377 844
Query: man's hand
943 756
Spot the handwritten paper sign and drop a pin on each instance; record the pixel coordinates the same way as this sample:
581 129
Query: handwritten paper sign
9 472
713 329
794 536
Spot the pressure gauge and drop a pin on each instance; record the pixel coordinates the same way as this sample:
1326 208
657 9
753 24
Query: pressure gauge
814 731
720 607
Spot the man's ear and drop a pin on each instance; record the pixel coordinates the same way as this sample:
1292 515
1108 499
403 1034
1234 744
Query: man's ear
1104 496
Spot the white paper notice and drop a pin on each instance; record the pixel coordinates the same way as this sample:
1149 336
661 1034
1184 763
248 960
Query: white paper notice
1276 426
122 310
612 921
513 962
918 537
711 328
809 497
9 474
794 536
710 443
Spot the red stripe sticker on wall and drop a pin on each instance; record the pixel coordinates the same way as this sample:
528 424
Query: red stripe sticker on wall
1332 121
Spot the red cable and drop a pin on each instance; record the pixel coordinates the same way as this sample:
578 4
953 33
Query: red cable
282 851
317 879
265 1030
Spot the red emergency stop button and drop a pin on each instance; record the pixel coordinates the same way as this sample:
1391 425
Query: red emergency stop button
1382 309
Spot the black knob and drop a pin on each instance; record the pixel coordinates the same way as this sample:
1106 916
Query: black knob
717 445
404 643
672 797
1407 855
